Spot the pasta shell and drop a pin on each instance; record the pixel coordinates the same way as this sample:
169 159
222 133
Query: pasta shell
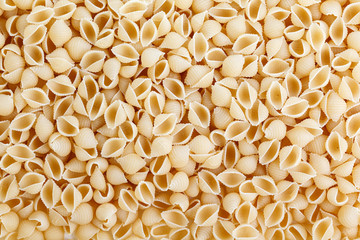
245 231
40 15
336 146
77 47
127 201
95 6
301 16
50 194
53 167
23 122
325 55
125 53
232 65
7 98
338 31
59 33
182 25
9 188
268 151
208 182
274 213
198 46
288 191
20 152
83 214
128 31
231 178
89 30
255 10
93 61
349 89
214 57
351 13
246 95
148 33
131 163
264 185
236 131
289 156
63 107
174 218
31 182
299 48
207 215
113 147
34 34
199 76
150 56
302 172
59 144
133 10
316 36
276 68
61 85
273 28
293 32
323 228
295 107
64 9
59 60
35 97
85 138
114 114
199 115
161 146
96 106
246 43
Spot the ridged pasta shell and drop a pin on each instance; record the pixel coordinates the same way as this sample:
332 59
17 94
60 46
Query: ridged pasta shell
295 107
161 146
40 15
23 122
131 163
113 147
64 9
236 131
31 182
59 60
288 191
35 97
301 16
53 167
199 115
246 95
207 215
89 30
336 146
294 32
150 56
10 188
349 89
199 76
96 106
83 214
208 182
95 6
59 144
85 138
61 85
231 178
264 185
268 151
232 65
173 40
302 172
125 53
59 33
93 61
323 228
289 156
245 231
148 33
299 48
34 34
276 67
50 194
198 46
20 152
128 31
338 31
133 10
246 43
77 47
127 201
351 13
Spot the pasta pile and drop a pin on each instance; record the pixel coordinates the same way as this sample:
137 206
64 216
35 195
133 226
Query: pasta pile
179 119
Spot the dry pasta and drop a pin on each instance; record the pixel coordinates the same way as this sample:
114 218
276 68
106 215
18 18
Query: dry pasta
179 119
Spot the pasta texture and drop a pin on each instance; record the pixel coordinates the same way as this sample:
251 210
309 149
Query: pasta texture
179 119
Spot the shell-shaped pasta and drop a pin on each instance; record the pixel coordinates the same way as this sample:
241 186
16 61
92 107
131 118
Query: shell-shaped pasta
264 185
128 31
231 155
148 33
274 213
23 122
348 216
164 124
290 156
294 32
61 145
31 182
53 167
319 77
145 192
276 95
50 194
295 107
207 215
174 218
276 67
222 12
83 214
113 147
245 231
323 229
233 65
338 31
10 222
115 114
60 33
268 151
301 16
246 43
61 85
68 126
131 163
349 89
35 97
246 213
257 114
133 10
34 34
77 47
64 9
255 10
96 106
198 46
125 53
199 115
20 152
288 191
34 55
9 164
93 61
71 198
89 30
336 146
9 188
199 76
246 95
333 105
316 36
352 128
236 131
127 201
174 88
215 57
161 146
302 172
231 178
351 13
208 182
59 60
335 197
40 15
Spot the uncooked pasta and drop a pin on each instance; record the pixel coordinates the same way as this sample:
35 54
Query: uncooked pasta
179 119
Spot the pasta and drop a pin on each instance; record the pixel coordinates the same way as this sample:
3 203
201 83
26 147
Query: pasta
179 119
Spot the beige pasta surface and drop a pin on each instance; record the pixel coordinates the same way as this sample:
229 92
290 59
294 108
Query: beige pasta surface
179 119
